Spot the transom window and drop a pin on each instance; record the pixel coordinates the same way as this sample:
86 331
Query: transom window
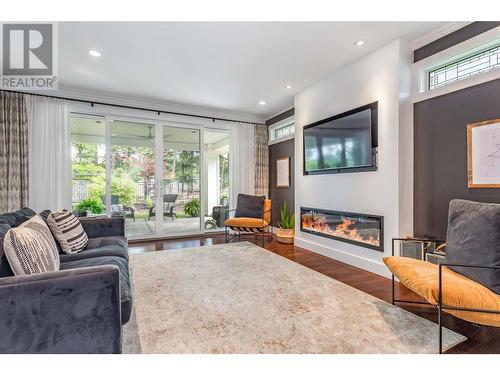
475 64
284 131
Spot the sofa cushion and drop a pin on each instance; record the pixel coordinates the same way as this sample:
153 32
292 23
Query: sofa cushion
250 206
457 290
16 218
68 230
473 238
99 247
122 264
30 248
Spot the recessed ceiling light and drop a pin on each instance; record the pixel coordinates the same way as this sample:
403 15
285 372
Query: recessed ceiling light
262 102
94 53
288 87
359 43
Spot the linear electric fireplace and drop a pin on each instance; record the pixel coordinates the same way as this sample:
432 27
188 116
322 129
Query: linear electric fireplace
358 229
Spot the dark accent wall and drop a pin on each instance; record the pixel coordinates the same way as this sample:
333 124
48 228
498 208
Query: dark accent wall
280 195
440 140
276 151
453 38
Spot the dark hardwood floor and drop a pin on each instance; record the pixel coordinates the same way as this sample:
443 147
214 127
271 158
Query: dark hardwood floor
480 340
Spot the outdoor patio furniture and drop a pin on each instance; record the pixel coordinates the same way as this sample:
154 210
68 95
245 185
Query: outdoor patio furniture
218 213
210 223
168 207
118 209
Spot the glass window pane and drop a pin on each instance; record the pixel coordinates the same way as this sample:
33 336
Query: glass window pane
478 63
88 153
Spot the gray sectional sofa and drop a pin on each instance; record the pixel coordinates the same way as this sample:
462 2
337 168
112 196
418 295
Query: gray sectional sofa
78 309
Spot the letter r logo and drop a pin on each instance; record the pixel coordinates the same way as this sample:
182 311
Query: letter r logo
27 49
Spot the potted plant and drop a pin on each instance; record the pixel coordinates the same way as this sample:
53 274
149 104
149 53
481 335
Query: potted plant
286 231
90 205
192 208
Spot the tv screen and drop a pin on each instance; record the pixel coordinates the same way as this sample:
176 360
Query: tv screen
341 142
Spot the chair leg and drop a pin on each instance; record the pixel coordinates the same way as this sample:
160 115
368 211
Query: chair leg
440 310
225 231
440 322
393 290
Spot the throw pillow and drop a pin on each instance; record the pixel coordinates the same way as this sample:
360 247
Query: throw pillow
30 248
45 216
250 206
474 238
68 231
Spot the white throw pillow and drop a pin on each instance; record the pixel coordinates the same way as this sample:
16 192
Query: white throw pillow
31 248
68 231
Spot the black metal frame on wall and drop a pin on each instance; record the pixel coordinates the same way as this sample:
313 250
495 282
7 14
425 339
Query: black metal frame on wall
374 135
378 218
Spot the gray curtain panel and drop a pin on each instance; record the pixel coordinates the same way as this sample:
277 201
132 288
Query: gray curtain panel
261 160
13 152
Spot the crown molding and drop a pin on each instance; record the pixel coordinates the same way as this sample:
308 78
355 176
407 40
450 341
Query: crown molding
438 33
90 95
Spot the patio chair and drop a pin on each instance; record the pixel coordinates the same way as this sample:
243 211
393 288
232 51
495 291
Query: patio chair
168 207
118 209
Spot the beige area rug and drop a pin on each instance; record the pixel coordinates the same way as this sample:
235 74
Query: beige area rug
239 298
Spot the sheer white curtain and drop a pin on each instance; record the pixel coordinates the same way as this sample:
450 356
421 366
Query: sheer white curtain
241 161
49 144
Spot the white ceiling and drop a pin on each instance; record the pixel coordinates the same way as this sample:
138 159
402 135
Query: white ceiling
226 66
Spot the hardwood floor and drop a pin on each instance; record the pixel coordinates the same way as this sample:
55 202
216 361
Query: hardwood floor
480 339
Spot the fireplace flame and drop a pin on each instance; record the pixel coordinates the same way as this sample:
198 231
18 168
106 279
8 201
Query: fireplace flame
347 229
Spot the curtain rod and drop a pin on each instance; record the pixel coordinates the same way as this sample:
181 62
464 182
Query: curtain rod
92 103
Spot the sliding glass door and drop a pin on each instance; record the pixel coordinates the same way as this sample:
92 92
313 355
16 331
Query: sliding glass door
215 178
132 186
180 180
164 179
88 155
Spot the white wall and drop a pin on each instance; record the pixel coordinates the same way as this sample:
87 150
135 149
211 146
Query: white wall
377 77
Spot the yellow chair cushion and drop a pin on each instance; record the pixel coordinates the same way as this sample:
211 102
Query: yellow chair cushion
246 222
267 207
457 290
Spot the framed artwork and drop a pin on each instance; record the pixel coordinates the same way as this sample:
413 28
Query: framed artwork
483 154
283 172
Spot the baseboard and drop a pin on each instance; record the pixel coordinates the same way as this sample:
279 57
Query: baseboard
367 264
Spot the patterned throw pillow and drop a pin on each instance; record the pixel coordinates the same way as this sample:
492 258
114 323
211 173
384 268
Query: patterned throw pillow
68 231
31 248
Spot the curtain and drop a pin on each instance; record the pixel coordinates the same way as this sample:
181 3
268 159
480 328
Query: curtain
261 160
49 153
13 152
241 161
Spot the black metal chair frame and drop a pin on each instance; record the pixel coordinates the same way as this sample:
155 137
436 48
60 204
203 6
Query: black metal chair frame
230 238
440 306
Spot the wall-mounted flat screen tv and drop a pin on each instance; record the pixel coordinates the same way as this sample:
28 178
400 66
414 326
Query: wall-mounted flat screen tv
342 143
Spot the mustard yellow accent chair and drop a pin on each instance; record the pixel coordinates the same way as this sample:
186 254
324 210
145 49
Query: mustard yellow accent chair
447 290
245 220
458 291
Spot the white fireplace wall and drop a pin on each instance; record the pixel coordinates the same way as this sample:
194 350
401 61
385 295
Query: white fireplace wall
377 77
